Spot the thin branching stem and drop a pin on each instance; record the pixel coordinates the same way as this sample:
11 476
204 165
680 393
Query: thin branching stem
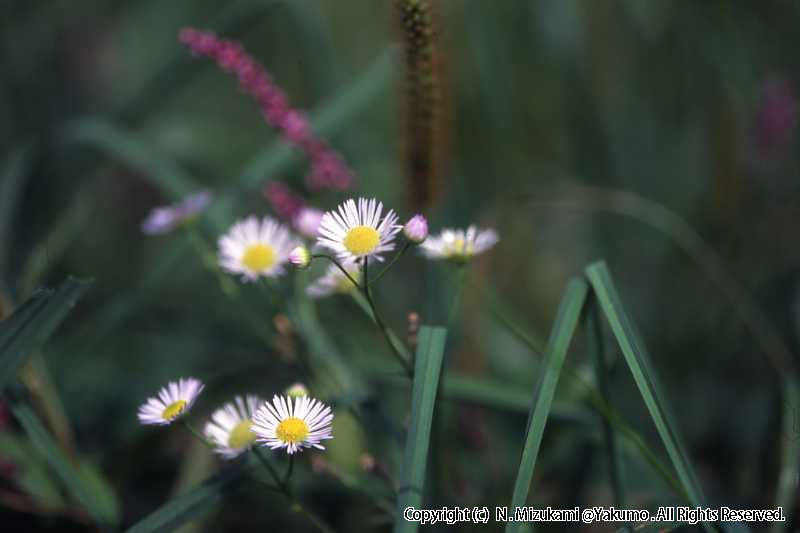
284 486
381 325
391 263
196 434
339 266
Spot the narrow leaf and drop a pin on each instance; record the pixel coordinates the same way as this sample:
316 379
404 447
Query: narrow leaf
66 471
569 311
615 470
638 360
790 454
33 323
430 353
194 503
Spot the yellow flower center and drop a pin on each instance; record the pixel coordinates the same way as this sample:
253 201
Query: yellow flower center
259 257
241 435
460 249
361 240
173 410
292 430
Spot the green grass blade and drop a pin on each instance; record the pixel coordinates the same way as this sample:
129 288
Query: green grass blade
790 454
615 470
194 503
638 361
76 484
569 312
33 323
430 353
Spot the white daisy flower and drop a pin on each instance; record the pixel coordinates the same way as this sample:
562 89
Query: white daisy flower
293 423
355 230
254 248
459 244
173 401
230 426
334 281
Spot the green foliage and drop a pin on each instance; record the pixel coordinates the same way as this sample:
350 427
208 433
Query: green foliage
427 372
194 503
83 485
569 313
33 323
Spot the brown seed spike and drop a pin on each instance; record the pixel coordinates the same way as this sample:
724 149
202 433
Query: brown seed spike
423 113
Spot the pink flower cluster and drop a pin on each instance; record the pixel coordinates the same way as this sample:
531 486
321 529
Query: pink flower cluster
289 206
328 169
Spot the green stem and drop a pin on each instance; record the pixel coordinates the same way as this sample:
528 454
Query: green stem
391 263
289 469
335 262
199 436
457 291
283 486
264 461
381 325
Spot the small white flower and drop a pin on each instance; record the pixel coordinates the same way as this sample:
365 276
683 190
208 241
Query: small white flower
458 244
172 402
254 248
293 423
230 427
334 281
355 230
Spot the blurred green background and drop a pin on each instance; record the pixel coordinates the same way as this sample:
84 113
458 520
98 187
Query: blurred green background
657 135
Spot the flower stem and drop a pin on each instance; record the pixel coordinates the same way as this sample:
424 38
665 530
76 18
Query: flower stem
289 469
381 325
196 434
457 290
335 262
391 263
283 486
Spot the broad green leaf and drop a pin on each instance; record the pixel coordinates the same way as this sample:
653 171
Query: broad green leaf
194 503
428 367
638 360
33 323
74 481
569 311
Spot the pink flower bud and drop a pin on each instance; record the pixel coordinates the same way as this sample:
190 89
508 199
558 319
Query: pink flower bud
416 229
